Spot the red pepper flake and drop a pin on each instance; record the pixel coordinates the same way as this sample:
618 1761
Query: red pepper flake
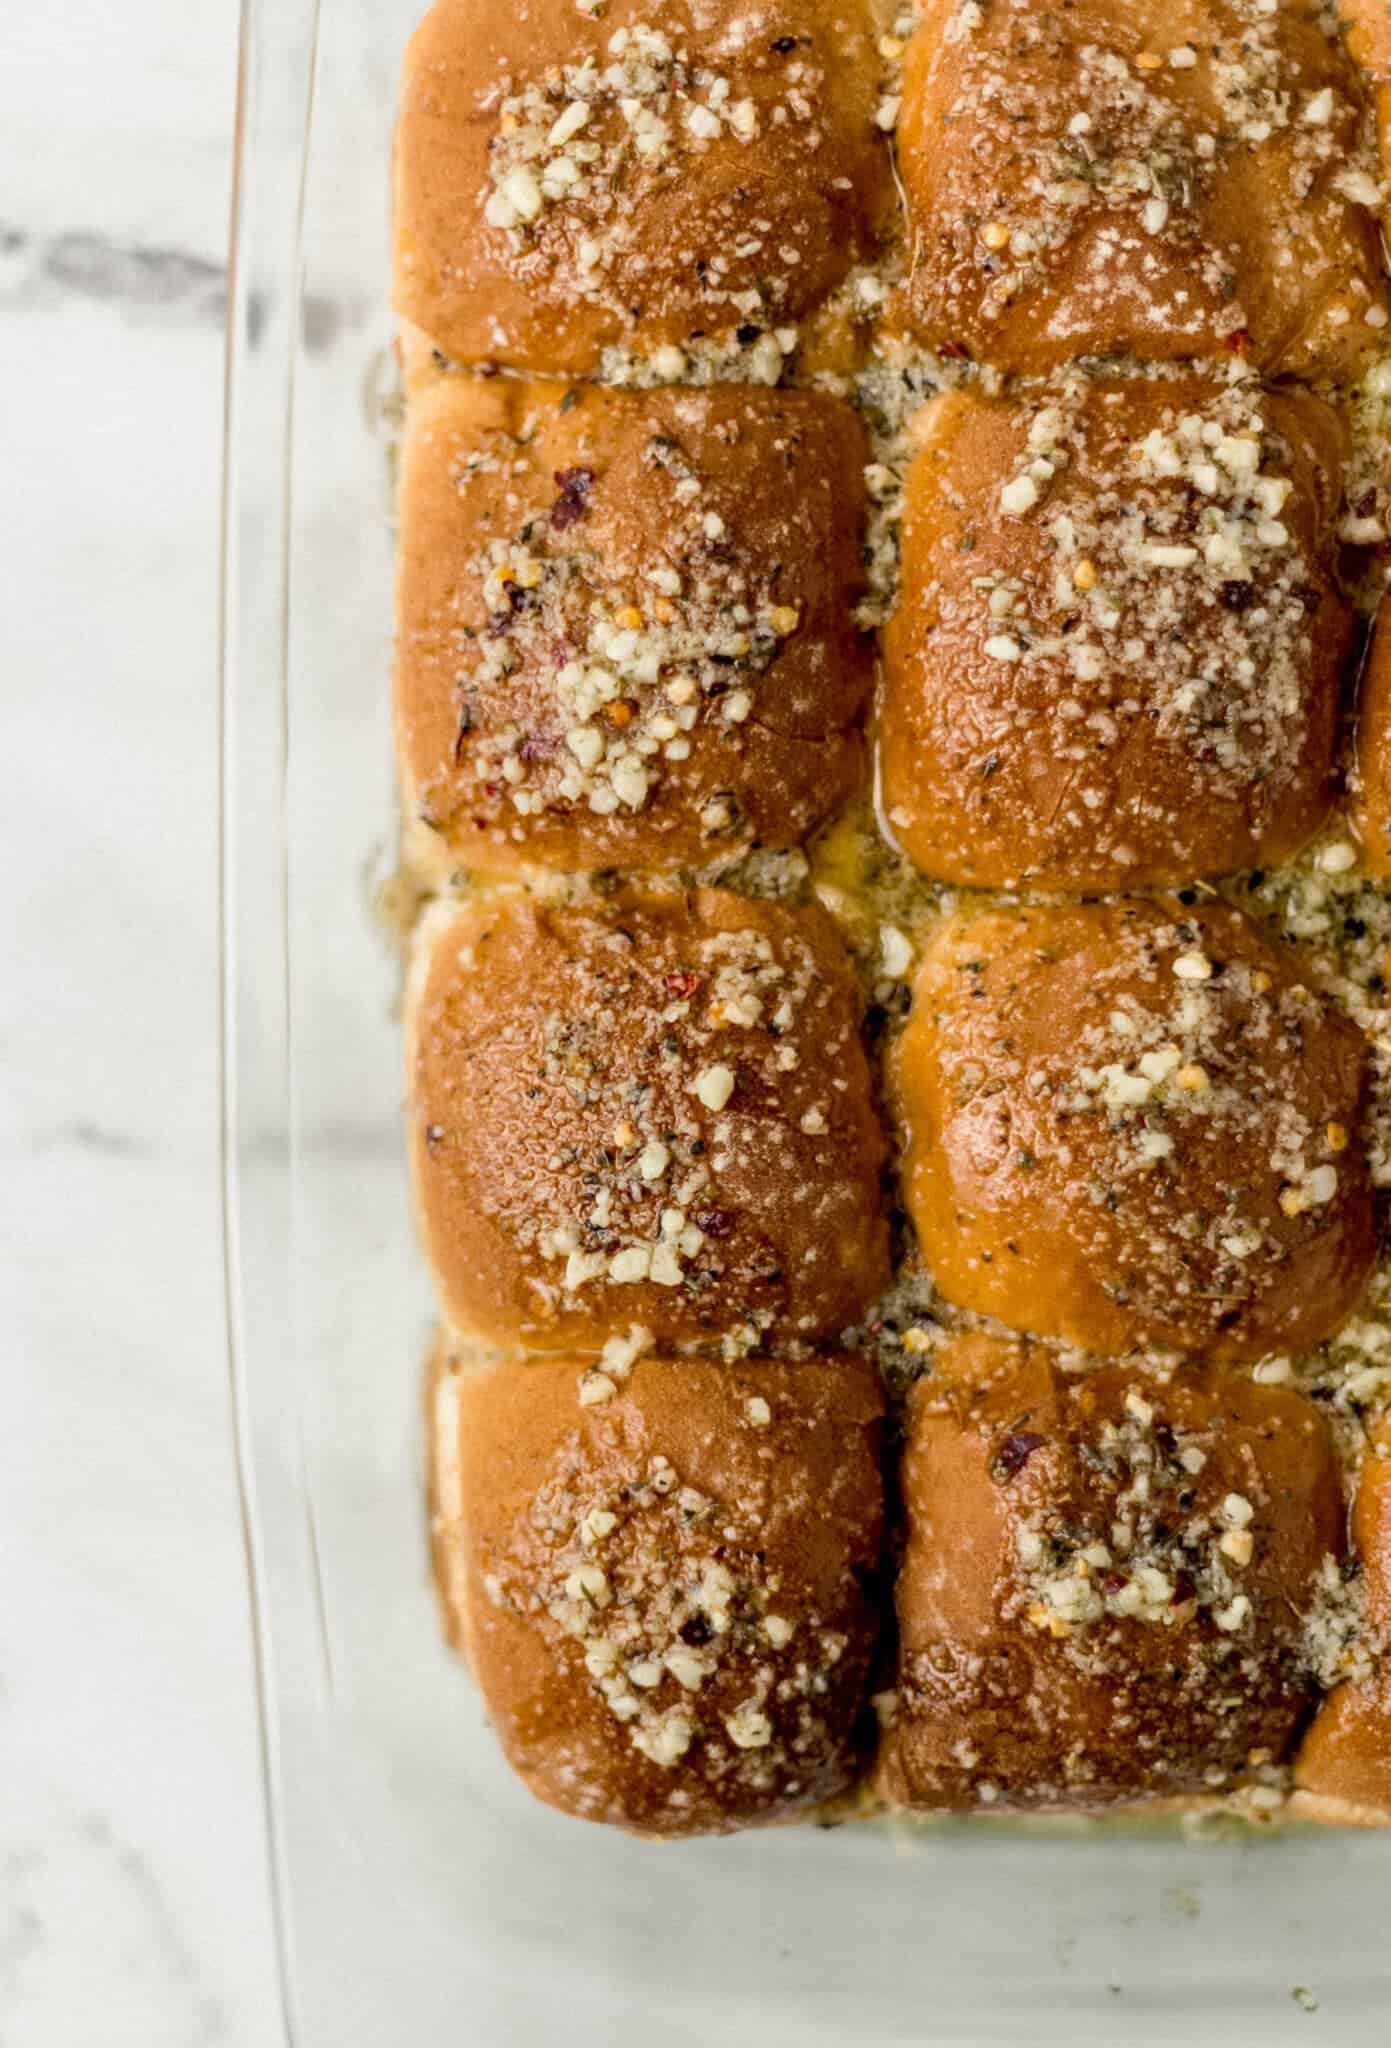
679 988
1015 1452
538 746
572 504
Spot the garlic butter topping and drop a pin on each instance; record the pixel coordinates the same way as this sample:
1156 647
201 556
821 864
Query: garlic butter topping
1175 572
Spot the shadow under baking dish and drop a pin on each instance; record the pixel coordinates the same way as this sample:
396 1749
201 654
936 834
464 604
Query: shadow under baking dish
423 1898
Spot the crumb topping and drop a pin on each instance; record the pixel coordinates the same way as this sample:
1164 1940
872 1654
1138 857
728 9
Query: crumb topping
648 1204
1339 1643
632 620
1158 1555
635 656
1179 598
653 1112
567 138
1191 1055
581 153
1367 517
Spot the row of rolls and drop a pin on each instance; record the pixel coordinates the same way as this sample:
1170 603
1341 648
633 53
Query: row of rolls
1099 1552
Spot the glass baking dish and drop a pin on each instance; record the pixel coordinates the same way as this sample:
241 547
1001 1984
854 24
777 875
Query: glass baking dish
422 1897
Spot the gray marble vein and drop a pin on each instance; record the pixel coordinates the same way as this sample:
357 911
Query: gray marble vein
35 270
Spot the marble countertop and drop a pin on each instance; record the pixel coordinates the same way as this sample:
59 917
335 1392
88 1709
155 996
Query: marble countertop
133 1894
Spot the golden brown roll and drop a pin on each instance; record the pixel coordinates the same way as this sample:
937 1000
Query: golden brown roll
1104 1588
666 1594
1371 781
1159 178
1117 651
573 177
654 1110
1132 1123
626 631
1343 1771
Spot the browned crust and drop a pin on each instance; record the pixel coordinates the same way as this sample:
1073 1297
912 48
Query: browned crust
1369 43
1177 716
1343 1771
735 1494
1368 27
995 1687
549 1047
444 1491
724 523
1336 1813
1061 1204
811 179
1244 260
1370 797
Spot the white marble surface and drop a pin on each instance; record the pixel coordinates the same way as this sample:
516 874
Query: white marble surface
133 1899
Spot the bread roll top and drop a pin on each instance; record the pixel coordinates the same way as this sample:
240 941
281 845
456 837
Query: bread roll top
626 631
1134 1123
571 179
1107 1585
664 1572
643 1108
1155 180
1119 644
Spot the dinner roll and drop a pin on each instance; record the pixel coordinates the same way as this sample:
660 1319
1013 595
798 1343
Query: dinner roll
1105 1584
1132 1123
626 631
1157 178
1371 781
570 178
1117 650
649 1109
1343 1771
666 1593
